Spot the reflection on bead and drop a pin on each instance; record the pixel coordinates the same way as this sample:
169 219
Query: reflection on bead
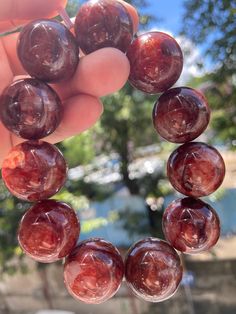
30 109
34 170
156 62
153 270
48 231
196 169
103 23
48 50
191 225
93 271
181 114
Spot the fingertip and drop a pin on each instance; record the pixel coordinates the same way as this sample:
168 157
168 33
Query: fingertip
99 73
81 113
102 72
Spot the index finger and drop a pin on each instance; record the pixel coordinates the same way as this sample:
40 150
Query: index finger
14 13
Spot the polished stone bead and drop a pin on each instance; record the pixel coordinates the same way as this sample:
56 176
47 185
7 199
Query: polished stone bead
48 50
191 225
181 114
156 62
103 23
196 169
48 231
34 170
93 271
30 109
153 270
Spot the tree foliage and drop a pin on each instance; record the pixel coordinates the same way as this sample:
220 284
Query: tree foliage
213 24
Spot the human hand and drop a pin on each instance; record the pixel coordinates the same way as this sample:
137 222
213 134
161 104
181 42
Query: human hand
98 74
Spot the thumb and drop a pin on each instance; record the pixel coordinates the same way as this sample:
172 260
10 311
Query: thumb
14 13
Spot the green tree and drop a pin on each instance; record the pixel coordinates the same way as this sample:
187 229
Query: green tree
212 24
125 125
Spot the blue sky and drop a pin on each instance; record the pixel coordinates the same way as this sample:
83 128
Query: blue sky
170 11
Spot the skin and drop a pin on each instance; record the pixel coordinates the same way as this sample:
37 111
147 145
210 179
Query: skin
100 73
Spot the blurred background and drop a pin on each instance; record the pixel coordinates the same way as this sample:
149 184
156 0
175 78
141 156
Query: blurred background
117 180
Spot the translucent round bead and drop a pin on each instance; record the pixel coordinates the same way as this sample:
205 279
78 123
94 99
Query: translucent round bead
34 170
48 231
196 169
153 270
156 62
190 225
103 23
30 109
93 271
181 114
48 50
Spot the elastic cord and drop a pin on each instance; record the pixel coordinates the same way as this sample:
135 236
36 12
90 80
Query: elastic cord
62 12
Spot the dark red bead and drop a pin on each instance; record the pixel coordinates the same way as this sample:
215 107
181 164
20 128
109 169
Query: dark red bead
156 62
30 109
48 50
181 114
48 231
190 225
103 23
34 170
153 270
196 169
93 271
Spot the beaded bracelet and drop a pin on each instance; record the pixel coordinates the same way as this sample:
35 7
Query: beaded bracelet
36 170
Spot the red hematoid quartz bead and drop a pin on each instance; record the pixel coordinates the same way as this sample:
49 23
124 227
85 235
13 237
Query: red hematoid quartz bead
103 23
190 225
181 114
48 50
48 231
156 62
153 270
34 170
30 109
93 271
196 169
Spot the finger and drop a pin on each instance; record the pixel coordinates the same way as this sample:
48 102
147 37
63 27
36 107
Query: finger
14 13
6 143
133 13
81 113
100 73
10 42
6 74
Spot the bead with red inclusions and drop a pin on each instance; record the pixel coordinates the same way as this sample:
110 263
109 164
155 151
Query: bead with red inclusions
48 231
191 225
103 23
34 170
196 169
153 270
156 62
30 109
181 114
93 271
48 51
